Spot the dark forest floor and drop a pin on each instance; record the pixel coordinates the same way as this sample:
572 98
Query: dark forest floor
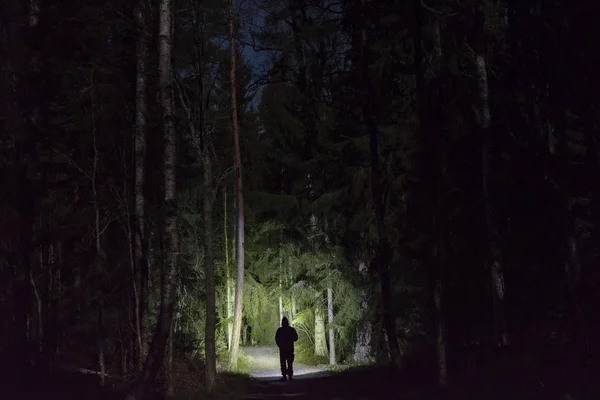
362 383
357 383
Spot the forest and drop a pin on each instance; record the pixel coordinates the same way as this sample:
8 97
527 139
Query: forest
414 184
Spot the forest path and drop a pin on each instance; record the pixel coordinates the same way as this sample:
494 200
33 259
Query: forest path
316 383
264 364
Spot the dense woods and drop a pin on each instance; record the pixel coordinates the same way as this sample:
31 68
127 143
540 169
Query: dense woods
412 183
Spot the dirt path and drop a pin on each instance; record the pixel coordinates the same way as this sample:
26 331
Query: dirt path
355 384
361 384
264 361
317 383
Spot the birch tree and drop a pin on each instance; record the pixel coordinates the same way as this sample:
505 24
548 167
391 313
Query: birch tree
163 329
330 323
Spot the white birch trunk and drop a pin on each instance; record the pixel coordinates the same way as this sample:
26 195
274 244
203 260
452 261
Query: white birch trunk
330 321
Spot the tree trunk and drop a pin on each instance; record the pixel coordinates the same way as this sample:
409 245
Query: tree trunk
280 305
494 252
52 333
99 251
330 322
432 163
210 328
362 350
572 263
320 340
169 354
280 292
440 227
229 300
22 289
39 302
293 315
156 352
440 332
383 253
141 262
231 282
239 289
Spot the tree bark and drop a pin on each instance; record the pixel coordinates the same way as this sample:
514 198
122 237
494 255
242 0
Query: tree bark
440 322
229 300
280 291
362 350
330 322
495 259
293 313
99 251
169 354
211 320
141 262
239 289
145 386
433 172
320 340
231 282
383 254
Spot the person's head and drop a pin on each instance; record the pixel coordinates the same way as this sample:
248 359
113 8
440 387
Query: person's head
285 322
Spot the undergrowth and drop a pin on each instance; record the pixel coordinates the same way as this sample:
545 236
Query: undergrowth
306 355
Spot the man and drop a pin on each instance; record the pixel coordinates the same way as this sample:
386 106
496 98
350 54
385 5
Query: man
285 338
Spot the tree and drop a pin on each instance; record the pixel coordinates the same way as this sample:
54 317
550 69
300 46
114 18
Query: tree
169 280
330 322
382 254
495 261
140 276
239 288
211 323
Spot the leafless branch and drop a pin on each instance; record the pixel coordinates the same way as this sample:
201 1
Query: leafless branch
71 162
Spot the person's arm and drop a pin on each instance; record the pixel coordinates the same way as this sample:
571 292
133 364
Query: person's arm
277 337
295 335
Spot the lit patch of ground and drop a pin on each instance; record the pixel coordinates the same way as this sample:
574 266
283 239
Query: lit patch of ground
263 362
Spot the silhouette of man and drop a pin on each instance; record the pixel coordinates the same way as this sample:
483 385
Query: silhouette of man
285 338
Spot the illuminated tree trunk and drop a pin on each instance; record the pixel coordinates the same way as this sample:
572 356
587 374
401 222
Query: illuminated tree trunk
231 281
294 311
320 340
239 289
330 321
169 279
280 292
229 300
280 304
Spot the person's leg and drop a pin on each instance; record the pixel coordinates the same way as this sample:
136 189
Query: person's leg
282 364
290 369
